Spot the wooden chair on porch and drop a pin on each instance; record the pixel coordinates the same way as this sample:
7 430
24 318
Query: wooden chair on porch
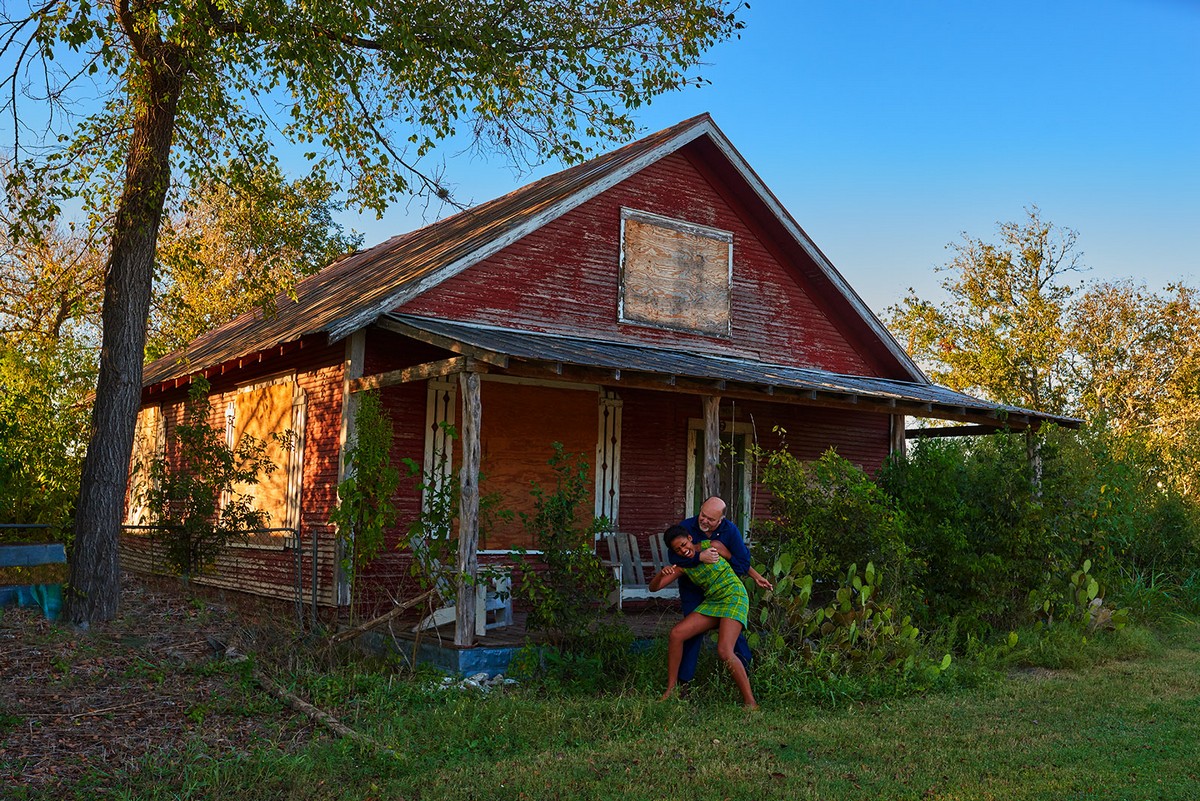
493 596
631 571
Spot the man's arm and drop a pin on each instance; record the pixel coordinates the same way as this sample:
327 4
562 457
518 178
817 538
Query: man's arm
739 555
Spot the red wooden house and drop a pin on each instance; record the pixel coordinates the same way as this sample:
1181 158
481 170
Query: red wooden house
656 309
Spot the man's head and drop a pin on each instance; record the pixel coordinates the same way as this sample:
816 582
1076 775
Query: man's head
712 512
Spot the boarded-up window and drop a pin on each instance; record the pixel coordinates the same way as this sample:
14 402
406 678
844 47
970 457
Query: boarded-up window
520 423
269 413
148 442
675 274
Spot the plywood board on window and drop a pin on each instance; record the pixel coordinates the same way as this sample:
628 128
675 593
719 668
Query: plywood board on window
675 274
519 425
262 413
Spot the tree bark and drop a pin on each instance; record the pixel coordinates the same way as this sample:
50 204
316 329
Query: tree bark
94 583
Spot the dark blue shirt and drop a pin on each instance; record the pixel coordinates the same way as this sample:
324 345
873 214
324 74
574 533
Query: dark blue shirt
728 535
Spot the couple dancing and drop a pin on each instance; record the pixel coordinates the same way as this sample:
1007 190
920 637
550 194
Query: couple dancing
707 554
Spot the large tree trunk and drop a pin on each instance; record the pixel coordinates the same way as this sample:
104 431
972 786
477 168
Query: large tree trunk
94 584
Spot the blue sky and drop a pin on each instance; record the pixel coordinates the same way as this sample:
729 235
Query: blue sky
889 128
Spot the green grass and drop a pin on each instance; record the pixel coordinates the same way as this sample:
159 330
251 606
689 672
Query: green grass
1122 729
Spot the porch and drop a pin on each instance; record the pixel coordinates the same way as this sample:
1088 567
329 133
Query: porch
493 651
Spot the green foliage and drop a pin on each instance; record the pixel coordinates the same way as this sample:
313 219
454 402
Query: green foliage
855 633
978 520
1080 603
362 90
1002 332
43 425
565 596
829 514
365 508
193 493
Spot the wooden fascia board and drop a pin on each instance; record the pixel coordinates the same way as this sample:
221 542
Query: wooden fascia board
796 232
952 431
419 372
847 401
444 342
407 292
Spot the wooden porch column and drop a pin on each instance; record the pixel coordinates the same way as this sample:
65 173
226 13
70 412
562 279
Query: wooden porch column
352 370
1033 452
468 511
897 434
712 446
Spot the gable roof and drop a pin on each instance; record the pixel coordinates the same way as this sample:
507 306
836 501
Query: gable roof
353 292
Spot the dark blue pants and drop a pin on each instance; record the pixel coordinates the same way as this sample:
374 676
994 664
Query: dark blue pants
691 653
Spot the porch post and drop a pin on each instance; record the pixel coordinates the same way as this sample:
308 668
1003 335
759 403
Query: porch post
468 511
897 432
712 446
352 368
1033 452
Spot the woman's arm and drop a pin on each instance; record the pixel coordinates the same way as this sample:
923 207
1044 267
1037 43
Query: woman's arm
759 579
664 577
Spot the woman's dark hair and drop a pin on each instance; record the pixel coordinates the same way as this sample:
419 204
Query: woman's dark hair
673 533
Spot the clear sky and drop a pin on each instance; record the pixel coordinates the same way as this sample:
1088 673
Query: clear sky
889 128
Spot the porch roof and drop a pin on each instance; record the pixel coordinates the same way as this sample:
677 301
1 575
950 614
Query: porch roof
536 354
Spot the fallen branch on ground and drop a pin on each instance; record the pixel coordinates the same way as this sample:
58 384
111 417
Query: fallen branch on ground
319 715
350 634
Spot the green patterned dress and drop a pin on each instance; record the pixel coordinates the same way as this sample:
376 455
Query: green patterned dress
724 593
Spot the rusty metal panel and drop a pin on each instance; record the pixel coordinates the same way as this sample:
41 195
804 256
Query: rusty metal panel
625 357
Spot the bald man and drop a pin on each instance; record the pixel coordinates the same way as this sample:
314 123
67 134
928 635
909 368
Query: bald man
710 524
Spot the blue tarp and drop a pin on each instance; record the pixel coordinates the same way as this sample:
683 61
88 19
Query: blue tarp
46 596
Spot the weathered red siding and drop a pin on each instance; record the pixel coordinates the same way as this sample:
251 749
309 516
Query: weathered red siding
654 449
564 277
270 571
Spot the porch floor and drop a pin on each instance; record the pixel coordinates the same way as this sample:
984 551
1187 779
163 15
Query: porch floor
492 653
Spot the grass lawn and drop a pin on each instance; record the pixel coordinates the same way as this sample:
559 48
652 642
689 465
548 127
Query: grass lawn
1121 730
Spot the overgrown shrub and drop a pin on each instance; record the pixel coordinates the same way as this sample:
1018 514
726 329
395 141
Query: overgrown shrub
565 596
854 642
976 518
828 515
1141 534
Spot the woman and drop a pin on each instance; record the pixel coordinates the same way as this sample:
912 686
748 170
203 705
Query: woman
725 608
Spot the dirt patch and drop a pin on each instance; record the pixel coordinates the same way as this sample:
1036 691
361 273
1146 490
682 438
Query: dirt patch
1041 674
152 681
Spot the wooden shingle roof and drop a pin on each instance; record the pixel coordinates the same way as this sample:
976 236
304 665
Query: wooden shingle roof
354 291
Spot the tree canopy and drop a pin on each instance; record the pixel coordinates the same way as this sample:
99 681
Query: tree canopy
174 89
1000 333
1118 354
